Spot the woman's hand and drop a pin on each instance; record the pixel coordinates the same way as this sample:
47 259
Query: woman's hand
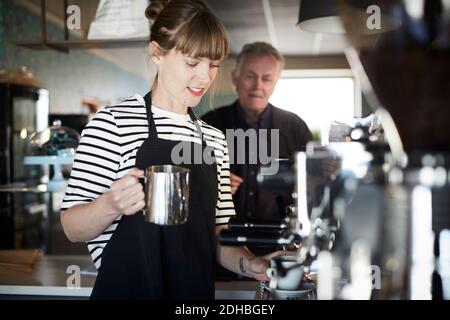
235 182
258 266
126 195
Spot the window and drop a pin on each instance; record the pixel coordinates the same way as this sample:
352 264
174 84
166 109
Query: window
319 97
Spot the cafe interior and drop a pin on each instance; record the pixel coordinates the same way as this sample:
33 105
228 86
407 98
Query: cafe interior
370 79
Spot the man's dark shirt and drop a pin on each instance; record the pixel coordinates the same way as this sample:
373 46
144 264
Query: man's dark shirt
249 200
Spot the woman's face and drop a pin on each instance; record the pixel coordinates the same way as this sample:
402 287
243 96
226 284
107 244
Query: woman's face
183 80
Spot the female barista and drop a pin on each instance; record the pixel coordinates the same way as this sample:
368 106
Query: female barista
102 203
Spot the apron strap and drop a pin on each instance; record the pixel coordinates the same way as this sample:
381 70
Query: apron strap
197 126
205 173
152 134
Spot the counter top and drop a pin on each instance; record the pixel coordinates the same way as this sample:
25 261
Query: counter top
51 277
55 277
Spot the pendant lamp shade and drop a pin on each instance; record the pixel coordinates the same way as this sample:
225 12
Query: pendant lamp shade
319 16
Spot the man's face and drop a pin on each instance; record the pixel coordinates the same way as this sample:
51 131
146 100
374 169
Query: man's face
255 81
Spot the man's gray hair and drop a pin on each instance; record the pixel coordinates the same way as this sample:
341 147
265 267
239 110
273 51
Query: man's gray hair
259 49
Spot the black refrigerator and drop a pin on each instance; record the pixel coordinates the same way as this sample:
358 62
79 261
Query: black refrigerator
23 111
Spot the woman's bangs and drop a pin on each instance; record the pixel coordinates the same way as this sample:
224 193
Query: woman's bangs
202 37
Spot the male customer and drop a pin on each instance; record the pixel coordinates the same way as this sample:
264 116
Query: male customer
256 72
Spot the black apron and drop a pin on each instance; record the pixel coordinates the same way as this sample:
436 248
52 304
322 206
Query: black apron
148 261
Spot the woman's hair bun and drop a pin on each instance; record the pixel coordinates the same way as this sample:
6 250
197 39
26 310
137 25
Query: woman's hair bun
154 8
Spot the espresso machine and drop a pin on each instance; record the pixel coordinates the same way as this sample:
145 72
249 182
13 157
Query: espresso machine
371 215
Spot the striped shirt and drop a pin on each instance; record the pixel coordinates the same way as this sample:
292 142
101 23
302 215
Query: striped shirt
107 151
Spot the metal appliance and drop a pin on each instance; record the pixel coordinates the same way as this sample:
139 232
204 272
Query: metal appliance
377 223
24 107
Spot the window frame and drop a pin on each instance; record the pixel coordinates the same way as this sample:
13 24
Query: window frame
329 73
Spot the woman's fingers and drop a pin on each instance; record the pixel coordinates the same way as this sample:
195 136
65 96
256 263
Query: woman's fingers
132 196
258 267
279 253
235 179
235 182
261 277
136 172
126 192
136 207
124 183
